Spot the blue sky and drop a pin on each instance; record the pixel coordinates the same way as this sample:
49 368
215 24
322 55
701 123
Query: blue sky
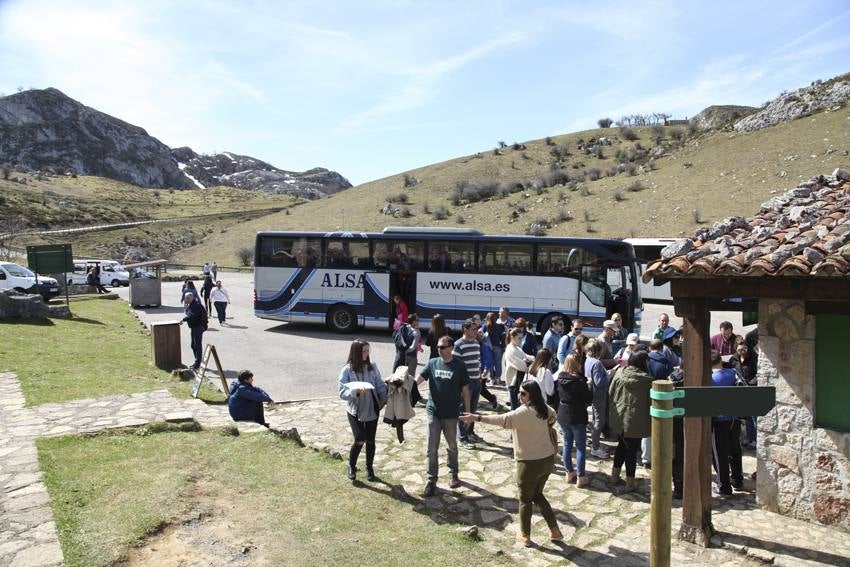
374 88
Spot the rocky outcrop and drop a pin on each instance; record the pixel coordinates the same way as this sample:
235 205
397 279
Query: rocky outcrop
245 172
820 95
718 116
47 130
16 305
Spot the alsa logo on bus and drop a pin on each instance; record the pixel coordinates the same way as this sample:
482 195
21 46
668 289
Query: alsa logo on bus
342 280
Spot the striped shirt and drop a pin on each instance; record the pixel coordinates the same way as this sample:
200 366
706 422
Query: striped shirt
470 353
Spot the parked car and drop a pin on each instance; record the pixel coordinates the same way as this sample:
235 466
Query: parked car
14 276
112 273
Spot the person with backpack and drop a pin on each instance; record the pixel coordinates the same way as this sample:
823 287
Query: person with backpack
195 317
406 339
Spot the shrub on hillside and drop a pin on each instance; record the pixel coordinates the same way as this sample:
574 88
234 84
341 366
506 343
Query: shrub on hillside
594 173
564 215
657 134
628 133
618 196
405 213
410 181
677 134
6 172
604 122
460 220
426 209
400 198
634 186
612 171
502 145
440 213
549 141
245 254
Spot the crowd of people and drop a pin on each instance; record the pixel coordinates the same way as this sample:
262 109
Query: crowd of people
583 386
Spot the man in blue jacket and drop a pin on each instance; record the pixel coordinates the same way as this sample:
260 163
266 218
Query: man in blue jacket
726 445
245 401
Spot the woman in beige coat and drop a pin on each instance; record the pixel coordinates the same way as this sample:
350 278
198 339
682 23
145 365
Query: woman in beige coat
515 365
535 445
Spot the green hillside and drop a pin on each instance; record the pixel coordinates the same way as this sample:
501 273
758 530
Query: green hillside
693 178
706 177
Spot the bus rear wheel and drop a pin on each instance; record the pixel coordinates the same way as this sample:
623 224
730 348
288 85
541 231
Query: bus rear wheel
342 319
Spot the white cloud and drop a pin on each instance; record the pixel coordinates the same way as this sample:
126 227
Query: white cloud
425 80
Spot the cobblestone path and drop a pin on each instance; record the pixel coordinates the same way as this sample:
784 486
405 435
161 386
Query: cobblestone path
601 526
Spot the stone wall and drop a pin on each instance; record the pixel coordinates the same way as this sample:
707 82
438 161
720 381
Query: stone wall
803 471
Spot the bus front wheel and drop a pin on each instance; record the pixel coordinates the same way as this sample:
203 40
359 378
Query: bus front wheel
342 319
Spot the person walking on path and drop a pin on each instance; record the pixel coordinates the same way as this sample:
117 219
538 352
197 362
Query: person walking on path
364 404
206 288
220 298
206 269
574 396
628 415
535 444
468 350
448 384
214 271
515 365
189 286
195 317
594 370
245 401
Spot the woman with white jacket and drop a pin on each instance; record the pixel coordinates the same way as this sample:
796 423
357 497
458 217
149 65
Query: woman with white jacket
515 365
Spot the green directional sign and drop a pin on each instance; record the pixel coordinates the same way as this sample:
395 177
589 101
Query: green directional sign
50 259
710 401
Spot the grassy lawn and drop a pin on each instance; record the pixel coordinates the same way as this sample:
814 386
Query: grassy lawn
101 351
109 491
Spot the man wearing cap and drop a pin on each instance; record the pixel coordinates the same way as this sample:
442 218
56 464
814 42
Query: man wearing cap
606 340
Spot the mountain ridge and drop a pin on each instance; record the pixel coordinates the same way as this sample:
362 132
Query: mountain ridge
46 130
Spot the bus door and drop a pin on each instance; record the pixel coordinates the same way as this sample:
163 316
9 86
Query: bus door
377 299
403 284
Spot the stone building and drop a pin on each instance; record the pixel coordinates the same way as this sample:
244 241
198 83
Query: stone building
791 262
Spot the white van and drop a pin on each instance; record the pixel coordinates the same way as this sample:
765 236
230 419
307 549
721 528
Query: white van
112 273
14 276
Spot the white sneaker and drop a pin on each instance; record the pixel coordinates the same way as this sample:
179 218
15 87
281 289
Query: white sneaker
599 453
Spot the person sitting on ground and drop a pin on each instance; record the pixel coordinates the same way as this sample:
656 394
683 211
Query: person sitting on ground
245 401
531 424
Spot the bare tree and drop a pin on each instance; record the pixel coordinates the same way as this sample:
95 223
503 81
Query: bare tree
245 255
10 229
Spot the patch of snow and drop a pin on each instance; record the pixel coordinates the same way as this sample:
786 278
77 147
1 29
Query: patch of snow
182 167
229 155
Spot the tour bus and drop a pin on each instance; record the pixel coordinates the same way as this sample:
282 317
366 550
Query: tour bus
647 250
348 279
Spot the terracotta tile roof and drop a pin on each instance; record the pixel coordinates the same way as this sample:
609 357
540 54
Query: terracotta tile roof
805 232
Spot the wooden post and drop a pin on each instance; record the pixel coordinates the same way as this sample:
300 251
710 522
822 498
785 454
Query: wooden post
696 505
165 345
662 473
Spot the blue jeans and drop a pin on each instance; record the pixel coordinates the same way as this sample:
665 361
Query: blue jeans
197 348
751 429
574 434
474 395
496 371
